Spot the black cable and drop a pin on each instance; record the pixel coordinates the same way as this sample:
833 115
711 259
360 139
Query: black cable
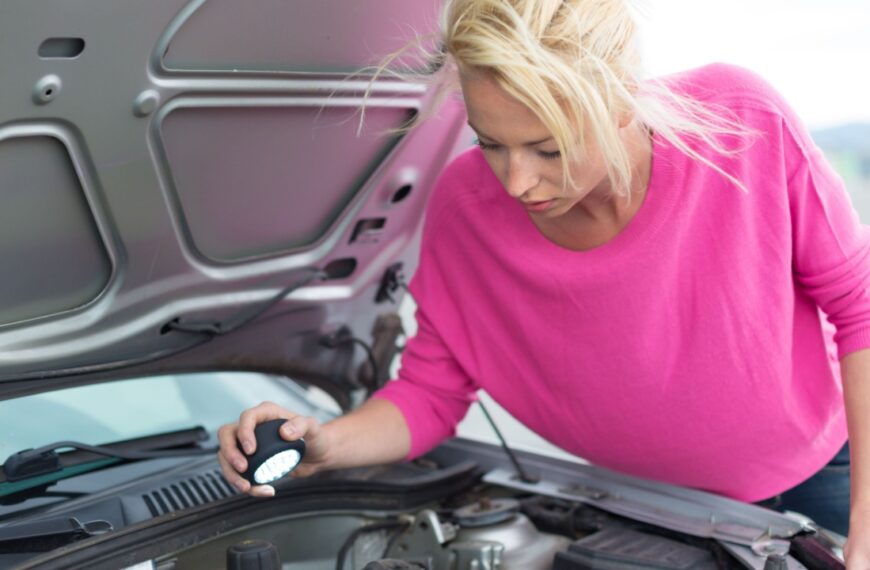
343 337
351 539
104 366
523 476
372 362
217 328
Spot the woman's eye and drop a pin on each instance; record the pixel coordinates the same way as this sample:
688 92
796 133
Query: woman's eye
484 145
549 155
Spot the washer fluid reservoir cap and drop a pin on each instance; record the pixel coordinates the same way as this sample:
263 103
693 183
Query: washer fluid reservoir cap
486 512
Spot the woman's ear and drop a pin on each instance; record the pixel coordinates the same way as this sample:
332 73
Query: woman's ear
626 118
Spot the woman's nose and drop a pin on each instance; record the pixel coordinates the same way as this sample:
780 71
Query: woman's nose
520 178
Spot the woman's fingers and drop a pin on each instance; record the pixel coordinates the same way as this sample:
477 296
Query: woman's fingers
238 439
229 449
300 426
231 474
254 416
262 491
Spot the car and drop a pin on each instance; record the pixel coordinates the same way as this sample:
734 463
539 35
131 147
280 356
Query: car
195 218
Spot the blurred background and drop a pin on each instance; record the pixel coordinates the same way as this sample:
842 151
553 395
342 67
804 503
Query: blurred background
817 54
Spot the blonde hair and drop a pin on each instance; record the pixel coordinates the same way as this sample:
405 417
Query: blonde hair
576 65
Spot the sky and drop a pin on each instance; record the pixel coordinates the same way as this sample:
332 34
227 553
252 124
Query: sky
815 52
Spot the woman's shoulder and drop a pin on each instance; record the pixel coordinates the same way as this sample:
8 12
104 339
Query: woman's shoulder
718 76
467 179
467 170
731 86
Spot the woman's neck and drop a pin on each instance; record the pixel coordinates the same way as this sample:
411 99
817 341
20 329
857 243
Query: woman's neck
601 215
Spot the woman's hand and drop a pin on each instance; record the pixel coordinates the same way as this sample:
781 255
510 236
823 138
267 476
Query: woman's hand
233 462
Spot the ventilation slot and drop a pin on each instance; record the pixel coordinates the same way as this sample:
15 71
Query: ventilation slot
61 48
199 490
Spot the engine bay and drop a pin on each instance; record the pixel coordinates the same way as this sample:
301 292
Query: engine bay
492 531
457 508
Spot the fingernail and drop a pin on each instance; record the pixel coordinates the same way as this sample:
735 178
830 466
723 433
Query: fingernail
288 430
248 447
239 466
269 491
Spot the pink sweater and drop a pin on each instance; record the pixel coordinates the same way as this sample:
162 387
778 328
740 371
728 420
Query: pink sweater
689 348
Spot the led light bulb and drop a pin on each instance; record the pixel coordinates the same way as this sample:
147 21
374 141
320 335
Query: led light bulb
274 457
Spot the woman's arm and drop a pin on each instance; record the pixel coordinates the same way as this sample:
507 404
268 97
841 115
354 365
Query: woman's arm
374 433
855 369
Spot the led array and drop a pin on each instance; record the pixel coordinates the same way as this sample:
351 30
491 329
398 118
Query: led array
277 466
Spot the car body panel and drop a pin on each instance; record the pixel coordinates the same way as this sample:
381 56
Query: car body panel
153 177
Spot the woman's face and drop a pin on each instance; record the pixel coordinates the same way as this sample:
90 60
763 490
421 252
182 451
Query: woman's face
523 154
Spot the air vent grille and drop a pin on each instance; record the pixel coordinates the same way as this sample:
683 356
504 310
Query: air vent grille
194 491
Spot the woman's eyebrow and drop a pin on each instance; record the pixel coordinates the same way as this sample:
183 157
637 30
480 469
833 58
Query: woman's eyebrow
486 136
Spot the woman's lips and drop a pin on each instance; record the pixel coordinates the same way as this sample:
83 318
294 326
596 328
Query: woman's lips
537 207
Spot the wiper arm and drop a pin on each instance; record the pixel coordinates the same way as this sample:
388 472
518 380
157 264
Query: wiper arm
42 536
45 465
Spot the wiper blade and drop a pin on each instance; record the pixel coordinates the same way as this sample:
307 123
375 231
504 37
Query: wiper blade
37 467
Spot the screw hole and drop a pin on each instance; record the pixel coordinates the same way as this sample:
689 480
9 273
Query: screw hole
401 193
49 91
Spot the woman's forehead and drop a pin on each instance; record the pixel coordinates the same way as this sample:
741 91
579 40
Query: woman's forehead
495 114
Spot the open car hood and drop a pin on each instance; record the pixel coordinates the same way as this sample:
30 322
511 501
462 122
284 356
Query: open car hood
167 169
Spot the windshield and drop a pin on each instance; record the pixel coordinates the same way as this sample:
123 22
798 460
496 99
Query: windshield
114 411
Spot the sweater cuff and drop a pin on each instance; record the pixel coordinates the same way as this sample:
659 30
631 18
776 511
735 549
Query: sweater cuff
856 341
422 439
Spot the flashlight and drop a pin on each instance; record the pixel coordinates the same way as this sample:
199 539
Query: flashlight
275 457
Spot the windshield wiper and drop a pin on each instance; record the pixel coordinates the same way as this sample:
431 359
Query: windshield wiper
43 466
45 535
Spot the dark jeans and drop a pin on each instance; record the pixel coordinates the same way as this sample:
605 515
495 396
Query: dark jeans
824 497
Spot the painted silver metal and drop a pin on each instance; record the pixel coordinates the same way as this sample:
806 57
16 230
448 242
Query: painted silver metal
523 546
146 103
479 555
177 244
425 541
511 544
676 508
47 89
756 561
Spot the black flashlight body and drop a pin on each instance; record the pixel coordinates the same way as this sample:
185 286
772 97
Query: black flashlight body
270 445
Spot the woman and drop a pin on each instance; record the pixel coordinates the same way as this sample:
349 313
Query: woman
633 269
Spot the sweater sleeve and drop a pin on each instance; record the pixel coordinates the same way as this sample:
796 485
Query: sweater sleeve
431 391
831 257
830 246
